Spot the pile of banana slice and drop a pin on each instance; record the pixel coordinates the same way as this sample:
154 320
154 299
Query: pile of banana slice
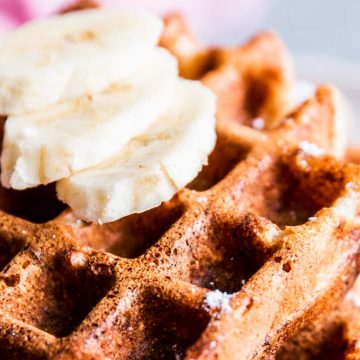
94 104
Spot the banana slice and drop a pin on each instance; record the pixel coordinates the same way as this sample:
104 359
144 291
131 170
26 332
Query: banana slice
67 56
152 166
53 143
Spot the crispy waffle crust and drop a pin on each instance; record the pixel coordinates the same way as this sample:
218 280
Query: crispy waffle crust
254 259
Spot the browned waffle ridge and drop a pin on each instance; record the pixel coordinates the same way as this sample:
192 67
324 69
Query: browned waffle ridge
264 242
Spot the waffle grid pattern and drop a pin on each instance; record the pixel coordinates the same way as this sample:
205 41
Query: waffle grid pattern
264 242
66 299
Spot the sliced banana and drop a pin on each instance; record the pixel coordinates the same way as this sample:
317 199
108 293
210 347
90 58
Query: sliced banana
71 55
152 166
63 138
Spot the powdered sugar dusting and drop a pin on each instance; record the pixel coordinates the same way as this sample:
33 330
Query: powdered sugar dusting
213 344
202 200
311 149
78 260
273 231
258 123
302 163
218 300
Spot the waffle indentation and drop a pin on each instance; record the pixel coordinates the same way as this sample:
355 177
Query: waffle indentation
236 253
306 188
321 344
134 234
226 155
170 327
75 294
55 293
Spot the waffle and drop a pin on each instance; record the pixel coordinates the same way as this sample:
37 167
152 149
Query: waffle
250 81
258 251
333 335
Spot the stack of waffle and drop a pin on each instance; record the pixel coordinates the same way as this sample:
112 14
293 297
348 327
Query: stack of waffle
256 258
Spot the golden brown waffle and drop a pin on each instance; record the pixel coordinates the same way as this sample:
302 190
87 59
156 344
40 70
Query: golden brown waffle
250 81
263 242
334 335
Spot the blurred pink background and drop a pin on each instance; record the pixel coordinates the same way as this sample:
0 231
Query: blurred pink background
202 14
324 26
